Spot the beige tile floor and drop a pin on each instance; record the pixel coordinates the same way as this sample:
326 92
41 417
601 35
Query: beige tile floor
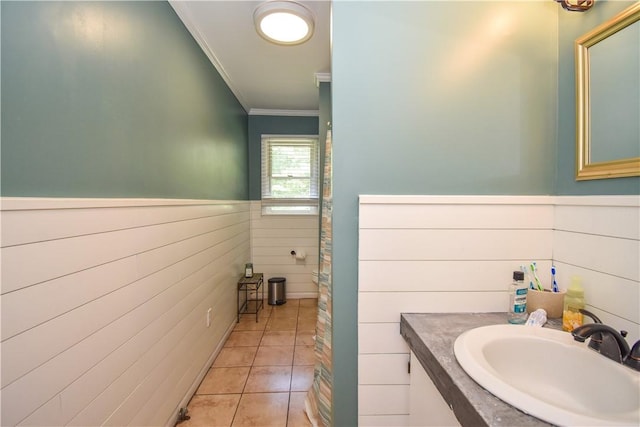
261 376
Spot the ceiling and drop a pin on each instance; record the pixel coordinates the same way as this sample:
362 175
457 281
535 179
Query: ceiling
266 78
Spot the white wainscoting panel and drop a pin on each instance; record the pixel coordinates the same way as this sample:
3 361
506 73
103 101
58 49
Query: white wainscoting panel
597 238
104 305
383 399
383 369
383 420
273 237
434 254
457 254
382 338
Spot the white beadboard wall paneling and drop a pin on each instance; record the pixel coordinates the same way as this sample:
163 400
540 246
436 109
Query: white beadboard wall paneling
29 264
130 306
381 338
164 382
454 244
612 221
383 420
273 237
33 305
614 300
288 233
222 313
375 199
387 399
56 219
469 215
386 307
597 238
456 253
117 373
443 275
107 323
283 242
595 252
383 369
284 222
188 358
435 254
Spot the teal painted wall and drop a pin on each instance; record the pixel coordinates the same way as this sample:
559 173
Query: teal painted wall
324 98
115 99
572 26
451 98
324 119
272 125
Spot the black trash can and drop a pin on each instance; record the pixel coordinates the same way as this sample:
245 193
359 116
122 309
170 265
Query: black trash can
277 290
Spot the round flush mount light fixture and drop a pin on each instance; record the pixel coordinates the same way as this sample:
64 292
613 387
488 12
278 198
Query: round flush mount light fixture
284 22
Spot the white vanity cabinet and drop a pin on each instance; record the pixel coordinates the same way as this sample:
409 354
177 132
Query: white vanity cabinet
427 407
431 337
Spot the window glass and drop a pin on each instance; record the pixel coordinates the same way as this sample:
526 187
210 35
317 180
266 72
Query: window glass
290 175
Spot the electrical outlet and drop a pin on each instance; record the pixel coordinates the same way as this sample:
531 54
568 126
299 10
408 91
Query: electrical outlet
209 317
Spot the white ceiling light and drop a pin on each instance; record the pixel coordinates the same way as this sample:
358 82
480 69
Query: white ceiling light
284 22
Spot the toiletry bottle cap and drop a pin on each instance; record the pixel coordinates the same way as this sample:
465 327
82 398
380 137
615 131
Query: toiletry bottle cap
518 275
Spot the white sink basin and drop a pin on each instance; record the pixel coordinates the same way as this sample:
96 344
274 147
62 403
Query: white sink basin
549 375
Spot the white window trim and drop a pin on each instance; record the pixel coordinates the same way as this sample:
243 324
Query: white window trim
289 206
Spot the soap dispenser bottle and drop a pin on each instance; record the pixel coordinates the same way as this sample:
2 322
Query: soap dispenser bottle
518 299
573 302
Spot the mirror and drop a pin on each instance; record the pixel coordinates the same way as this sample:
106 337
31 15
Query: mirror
608 98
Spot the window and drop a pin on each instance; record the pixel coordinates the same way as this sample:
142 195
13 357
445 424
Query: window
290 175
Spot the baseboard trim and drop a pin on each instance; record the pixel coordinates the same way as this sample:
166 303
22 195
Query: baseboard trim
203 372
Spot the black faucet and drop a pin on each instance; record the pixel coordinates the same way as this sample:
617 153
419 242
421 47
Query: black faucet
615 348
596 342
633 359
595 318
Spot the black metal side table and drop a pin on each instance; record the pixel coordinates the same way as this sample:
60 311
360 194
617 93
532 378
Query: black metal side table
254 286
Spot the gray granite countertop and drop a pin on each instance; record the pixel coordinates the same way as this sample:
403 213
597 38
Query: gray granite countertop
431 336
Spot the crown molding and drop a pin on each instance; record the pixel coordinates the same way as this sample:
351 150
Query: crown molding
185 17
322 78
294 113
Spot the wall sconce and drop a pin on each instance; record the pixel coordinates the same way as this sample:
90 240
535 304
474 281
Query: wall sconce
576 5
284 22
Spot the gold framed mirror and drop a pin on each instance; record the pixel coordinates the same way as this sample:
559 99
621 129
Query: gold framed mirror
608 98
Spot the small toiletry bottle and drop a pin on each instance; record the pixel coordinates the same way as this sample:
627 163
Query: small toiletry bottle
573 302
518 299
248 270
